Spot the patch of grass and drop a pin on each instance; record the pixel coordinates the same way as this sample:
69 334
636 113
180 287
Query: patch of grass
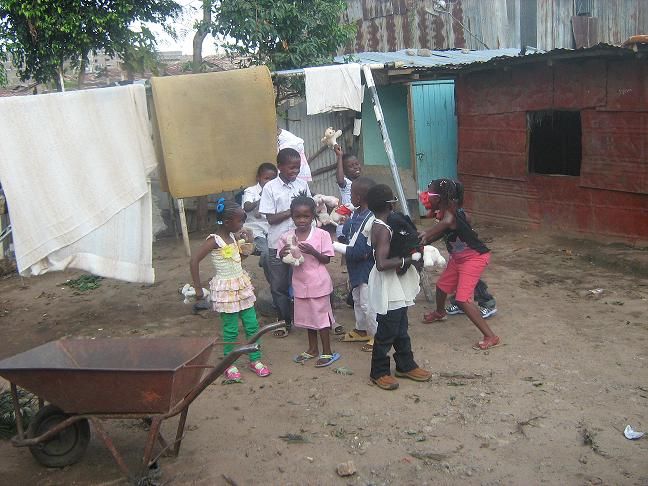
84 283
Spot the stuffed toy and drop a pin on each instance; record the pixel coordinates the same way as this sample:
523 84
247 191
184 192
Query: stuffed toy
189 294
405 242
322 205
340 214
330 137
294 257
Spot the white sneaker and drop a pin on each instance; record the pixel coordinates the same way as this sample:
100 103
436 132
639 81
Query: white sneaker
453 309
487 312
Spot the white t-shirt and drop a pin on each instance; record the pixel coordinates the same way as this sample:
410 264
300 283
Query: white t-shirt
345 198
276 198
255 221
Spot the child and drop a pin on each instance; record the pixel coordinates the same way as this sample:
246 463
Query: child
312 284
468 258
359 261
231 290
348 170
393 285
256 221
286 139
275 204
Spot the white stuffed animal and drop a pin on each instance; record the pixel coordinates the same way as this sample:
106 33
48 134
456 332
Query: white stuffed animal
340 214
431 257
322 205
189 294
330 137
294 257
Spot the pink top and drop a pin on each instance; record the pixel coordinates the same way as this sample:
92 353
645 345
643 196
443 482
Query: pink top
311 279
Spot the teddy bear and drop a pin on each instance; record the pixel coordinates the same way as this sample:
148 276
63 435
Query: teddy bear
340 214
431 257
330 137
294 257
322 205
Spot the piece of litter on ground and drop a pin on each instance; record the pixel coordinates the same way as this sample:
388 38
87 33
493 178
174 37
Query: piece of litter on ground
293 438
346 469
343 371
632 434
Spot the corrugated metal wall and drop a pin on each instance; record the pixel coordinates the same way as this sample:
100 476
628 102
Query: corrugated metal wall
311 129
389 25
610 197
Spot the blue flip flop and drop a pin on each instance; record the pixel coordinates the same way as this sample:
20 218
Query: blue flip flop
330 359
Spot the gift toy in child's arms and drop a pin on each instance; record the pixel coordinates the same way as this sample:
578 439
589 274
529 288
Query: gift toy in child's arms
406 243
294 256
322 206
340 214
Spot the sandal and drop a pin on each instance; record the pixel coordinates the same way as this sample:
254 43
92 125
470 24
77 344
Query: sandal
329 359
487 343
281 332
434 316
232 375
338 330
354 336
301 357
260 369
368 347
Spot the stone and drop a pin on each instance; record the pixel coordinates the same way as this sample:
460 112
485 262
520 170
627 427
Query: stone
346 469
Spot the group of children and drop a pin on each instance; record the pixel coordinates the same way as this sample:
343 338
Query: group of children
279 209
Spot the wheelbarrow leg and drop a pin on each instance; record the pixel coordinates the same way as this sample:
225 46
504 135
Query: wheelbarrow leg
111 447
16 404
150 443
180 432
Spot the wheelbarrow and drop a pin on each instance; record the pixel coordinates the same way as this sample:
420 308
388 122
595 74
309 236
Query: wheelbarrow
92 380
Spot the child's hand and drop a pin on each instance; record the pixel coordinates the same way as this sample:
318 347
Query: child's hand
308 249
284 251
338 150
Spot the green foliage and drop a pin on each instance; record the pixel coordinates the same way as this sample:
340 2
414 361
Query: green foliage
40 35
283 34
84 282
27 404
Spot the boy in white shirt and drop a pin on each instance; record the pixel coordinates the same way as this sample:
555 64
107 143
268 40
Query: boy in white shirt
257 222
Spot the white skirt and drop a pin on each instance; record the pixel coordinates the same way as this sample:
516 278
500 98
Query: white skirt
388 291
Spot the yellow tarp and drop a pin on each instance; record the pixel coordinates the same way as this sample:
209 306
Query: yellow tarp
215 129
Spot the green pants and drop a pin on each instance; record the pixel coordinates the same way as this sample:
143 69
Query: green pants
231 329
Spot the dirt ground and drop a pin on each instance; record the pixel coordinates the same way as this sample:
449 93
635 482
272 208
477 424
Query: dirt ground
548 407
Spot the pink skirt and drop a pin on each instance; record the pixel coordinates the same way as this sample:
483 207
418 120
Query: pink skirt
313 313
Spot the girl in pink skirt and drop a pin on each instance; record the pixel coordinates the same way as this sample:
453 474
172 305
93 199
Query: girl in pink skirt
312 284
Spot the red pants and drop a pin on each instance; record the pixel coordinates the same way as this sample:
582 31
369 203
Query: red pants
462 274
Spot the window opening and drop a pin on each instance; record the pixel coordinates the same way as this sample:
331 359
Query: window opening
554 142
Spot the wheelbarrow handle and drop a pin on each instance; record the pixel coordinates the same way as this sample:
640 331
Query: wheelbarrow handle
210 377
266 329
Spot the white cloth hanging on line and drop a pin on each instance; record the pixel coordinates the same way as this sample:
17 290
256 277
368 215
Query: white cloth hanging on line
333 88
74 168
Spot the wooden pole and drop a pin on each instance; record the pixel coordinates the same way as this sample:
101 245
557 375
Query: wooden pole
183 225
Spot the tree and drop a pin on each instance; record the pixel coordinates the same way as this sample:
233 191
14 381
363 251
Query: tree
41 35
283 34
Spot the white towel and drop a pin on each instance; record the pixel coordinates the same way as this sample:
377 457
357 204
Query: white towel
333 88
74 168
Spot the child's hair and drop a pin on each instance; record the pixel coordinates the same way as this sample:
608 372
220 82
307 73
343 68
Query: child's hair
266 166
303 199
285 155
347 157
225 209
362 185
449 190
379 198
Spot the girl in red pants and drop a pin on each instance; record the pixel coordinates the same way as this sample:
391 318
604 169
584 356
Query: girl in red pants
469 256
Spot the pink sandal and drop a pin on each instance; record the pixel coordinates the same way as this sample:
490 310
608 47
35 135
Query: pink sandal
260 369
487 343
434 316
232 375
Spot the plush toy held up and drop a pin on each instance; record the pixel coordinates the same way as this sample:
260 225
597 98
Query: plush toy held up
405 242
330 137
340 214
294 257
322 206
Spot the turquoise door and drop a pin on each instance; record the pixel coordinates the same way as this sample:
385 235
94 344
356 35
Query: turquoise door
435 131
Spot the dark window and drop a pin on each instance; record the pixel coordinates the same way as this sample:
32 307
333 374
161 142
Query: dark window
554 142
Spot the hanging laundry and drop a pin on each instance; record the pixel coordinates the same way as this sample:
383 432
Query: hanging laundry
74 169
286 139
215 129
333 88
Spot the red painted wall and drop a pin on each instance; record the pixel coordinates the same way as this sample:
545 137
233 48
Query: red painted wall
610 197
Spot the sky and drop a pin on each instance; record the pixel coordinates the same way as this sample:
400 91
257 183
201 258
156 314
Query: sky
184 27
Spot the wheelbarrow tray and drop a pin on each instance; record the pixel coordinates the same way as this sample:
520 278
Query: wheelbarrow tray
112 375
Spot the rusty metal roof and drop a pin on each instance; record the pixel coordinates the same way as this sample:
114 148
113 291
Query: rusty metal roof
425 58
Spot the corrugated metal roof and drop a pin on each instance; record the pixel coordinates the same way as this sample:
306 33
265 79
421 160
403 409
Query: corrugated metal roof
416 58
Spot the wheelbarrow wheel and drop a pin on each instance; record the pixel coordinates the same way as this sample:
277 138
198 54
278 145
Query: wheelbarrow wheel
65 448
